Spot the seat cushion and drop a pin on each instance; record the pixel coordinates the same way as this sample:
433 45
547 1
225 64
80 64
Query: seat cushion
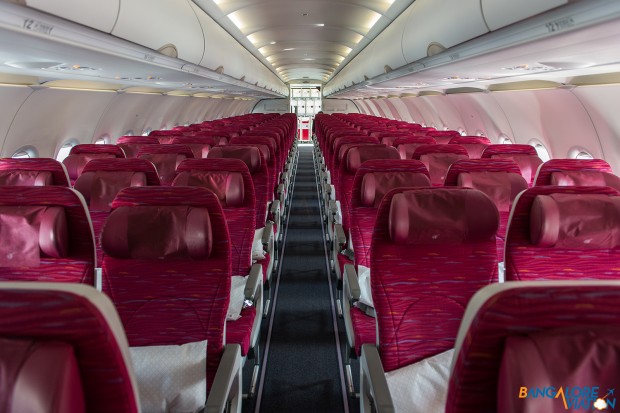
240 331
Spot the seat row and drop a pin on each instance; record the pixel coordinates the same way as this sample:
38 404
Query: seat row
430 249
181 263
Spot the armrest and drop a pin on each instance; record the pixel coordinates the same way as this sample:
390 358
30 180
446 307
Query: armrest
340 239
275 211
327 189
227 383
352 286
373 380
252 283
267 239
281 193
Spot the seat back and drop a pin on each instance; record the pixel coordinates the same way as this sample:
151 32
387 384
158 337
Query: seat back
474 145
131 144
536 335
45 235
564 233
231 182
353 158
32 172
524 155
407 145
499 179
443 136
166 267
576 172
432 249
102 180
71 333
166 158
438 158
372 181
256 164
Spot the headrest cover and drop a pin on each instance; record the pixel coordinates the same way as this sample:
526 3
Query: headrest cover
528 164
157 232
227 186
165 163
29 232
358 155
501 187
438 165
75 163
585 178
570 356
100 188
376 184
249 155
442 216
26 178
25 389
579 221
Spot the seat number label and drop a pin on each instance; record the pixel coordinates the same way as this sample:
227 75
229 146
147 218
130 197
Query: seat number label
36 26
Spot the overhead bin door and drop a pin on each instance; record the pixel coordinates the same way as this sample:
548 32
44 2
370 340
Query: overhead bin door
441 22
97 14
500 13
165 24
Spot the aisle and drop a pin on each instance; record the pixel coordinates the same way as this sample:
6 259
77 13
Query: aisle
302 363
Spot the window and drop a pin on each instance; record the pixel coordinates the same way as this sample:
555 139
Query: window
146 132
582 155
462 131
480 133
543 153
129 133
102 140
64 150
504 139
25 152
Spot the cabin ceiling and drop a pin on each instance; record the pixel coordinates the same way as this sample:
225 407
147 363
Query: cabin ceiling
304 40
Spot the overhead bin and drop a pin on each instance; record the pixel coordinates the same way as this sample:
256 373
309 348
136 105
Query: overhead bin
224 52
436 24
500 13
171 25
100 15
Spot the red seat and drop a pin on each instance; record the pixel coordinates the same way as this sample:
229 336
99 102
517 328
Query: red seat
166 158
407 145
577 172
443 136
81 154
564 233
32 172
524 155
499 179
230 180
102 179
474 145
167 268
63 349
45 235
200 146
372 181
438 159
131 144
534 335
433 248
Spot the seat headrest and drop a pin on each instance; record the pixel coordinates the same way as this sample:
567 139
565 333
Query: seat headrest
376 184
158 232
99 188
442 216
26 178
227 186
585 178
23 387
579 221
528 164
249 155
501 187
356 156
75 163
28 233
568 355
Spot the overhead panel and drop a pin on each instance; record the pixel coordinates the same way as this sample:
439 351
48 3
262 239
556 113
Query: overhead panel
100 15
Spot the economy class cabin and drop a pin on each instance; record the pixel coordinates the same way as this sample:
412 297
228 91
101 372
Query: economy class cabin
333 206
